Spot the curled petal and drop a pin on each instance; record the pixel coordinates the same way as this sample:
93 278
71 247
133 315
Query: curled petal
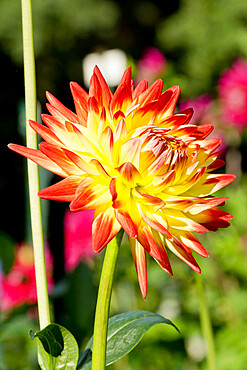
130 174
105 228
127 223
139 257
213 218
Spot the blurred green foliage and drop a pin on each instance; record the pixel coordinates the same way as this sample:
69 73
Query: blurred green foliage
203 38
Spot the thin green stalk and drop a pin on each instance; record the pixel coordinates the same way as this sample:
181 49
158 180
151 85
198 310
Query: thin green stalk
33 175
206 324
103 303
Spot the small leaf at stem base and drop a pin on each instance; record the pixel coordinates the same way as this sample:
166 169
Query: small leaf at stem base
57 348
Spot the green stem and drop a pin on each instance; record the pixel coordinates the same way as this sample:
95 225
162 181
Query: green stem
206 324
33 174
103 303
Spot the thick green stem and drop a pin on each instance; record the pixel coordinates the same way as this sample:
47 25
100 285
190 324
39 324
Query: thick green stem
103 303
206 324
33 175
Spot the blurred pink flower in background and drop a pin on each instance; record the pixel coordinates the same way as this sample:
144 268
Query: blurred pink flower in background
19 285
201 107
233 94
151 65
77 238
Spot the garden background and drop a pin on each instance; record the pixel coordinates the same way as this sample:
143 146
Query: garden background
199 45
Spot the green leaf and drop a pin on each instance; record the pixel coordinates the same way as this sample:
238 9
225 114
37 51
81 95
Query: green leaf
57 348
125 331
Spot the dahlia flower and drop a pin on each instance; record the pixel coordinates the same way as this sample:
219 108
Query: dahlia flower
138 164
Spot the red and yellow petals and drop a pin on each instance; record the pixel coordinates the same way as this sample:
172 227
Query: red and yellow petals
53 123
165 265
105 177
209 184
93 117
210 145
38 157
122 99
213 219
63 190
139 258
106 92
58 156
130 175
59 111
175 121
80 97
80 163
102 121
148 200
90 194
106 143
120 193
153 242
120 132
190 241
152 93
180 221
156 221
124 218
170 107
202 204
45 133
95 89
130 151
105 228
87 146
177 248
161 182
185 187
140 88
218 163
202 131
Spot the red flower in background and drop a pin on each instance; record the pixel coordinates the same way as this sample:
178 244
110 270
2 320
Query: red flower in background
77 238
233 94
19 285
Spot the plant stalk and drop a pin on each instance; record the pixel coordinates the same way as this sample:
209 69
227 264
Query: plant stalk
206 325
33 174
103 303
